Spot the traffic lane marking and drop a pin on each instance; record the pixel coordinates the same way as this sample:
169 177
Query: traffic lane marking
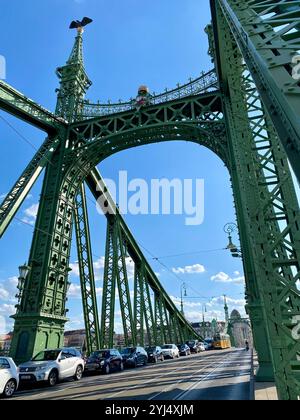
187 379
234 378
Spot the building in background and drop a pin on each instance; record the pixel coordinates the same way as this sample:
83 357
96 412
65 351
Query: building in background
76 338
5 343
239 330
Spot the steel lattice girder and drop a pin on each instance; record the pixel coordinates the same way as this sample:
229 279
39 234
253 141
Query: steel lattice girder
98 189
270 206
268 35
22 187
86 271
27 110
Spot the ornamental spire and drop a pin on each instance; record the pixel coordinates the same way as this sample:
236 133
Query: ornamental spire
76 56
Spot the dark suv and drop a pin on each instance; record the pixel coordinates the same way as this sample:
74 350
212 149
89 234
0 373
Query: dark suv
155 354
134 356
184 350
104 361
194 346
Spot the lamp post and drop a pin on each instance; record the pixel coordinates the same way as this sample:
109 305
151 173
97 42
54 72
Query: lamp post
23 273
183 287
230 228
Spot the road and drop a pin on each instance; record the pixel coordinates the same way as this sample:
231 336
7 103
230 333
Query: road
216 375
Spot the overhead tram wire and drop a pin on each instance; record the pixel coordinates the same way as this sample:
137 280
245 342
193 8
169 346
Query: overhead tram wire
25 139
157 259
171 271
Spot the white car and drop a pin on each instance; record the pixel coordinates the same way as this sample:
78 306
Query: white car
52 366
170 350
9 377
202 347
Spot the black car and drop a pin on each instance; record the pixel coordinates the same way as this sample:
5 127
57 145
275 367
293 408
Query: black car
184 350
104 361
194 346
134 356
154 354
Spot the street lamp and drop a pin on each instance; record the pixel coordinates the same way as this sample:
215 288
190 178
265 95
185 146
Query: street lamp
230 228
23 273
183 287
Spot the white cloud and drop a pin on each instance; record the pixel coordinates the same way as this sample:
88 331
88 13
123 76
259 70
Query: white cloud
32 211
225 278
8 289
2 325
196 316
189 269
4 295
99 267
7 309
75 291
233 302
31 214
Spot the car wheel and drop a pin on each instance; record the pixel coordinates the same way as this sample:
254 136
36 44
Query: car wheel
107 369
10 388
145 362
53 378
78 374
121 367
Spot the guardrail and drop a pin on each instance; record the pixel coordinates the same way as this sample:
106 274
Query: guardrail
207 82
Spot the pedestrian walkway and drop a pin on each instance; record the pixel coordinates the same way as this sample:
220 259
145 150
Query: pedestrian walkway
265 391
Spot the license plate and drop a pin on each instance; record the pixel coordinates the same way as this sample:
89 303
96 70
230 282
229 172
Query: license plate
25 377
91 367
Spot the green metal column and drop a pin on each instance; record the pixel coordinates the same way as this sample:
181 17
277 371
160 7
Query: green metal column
86 270
138 305
41 316
109 287
269 208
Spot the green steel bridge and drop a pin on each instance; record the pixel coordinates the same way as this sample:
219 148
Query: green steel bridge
247 111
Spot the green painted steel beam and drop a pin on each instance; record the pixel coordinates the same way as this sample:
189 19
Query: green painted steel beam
269 210
86 271
13 201
268 36
20 106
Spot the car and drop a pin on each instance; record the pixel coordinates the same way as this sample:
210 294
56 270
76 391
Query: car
104 361
52 366
155 354
208 344
9 377
134 356
194 346
170 350
184 350
201 346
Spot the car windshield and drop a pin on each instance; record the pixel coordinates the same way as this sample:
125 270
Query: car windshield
191 343
167 346
102 354
128 351
150 349
180 346
4 364
45 356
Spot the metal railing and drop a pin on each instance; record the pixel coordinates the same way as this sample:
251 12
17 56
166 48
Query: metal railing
207 82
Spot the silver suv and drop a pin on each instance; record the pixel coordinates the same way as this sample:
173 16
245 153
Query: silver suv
52 366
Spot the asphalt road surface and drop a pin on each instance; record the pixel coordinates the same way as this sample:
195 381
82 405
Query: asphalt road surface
215 375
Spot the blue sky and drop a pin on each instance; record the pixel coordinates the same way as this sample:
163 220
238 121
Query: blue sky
132 42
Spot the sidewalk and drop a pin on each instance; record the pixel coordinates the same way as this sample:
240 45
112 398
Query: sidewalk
263 391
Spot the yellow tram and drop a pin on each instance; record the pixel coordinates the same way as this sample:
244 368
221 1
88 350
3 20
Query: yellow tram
221 341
